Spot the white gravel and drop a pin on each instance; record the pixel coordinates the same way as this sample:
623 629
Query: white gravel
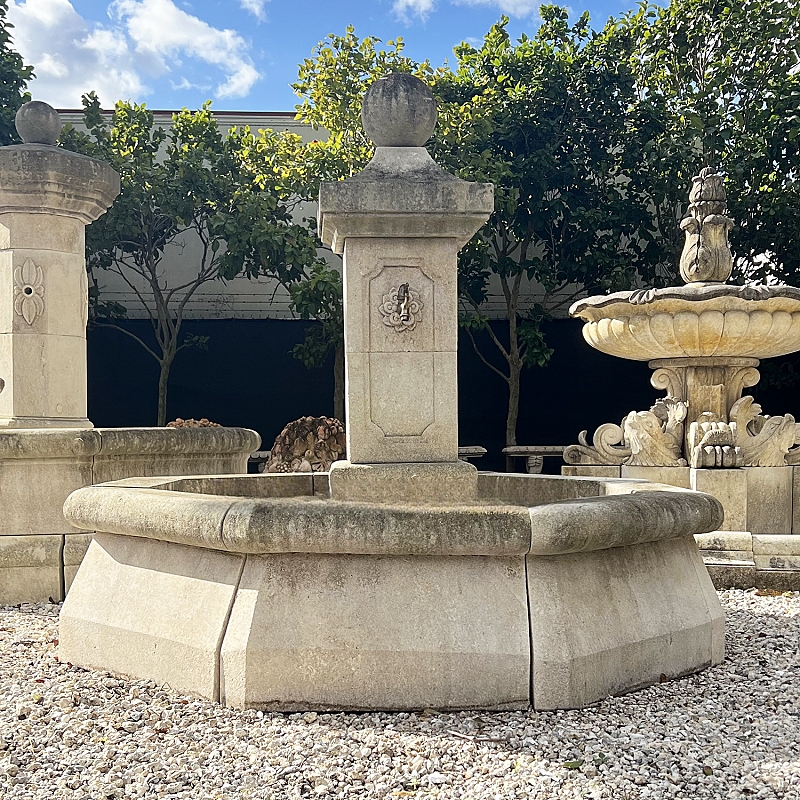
729 732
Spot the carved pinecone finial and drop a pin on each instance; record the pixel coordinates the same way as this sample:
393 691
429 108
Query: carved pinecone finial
706 253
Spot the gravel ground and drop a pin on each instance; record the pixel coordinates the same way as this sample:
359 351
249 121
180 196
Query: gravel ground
730 732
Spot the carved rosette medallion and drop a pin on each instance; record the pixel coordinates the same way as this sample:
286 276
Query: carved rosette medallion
28 291
401 309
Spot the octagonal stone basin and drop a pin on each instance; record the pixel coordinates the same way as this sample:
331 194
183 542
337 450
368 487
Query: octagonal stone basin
263 591
693 321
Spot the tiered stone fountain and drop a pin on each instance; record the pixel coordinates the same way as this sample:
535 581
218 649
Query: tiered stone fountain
704 341
402 579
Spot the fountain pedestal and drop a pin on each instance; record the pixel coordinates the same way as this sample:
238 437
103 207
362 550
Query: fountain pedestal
48 446
704 342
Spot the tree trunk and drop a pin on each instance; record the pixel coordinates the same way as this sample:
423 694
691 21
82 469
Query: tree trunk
514 373
338 383
163 382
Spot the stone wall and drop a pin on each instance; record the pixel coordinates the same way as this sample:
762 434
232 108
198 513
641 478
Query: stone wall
39 551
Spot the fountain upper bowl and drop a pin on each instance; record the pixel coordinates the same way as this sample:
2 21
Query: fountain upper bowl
695 321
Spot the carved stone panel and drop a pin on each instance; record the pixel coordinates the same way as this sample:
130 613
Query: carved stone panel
402 393
402 310
28 291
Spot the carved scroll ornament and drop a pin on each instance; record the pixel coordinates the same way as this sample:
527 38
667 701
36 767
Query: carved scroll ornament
646 438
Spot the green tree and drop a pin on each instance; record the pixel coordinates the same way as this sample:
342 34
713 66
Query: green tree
186 186
719 85
547 120
14 77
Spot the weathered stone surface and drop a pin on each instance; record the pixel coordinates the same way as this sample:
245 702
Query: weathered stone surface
37 123
419 484
320 631
769 499
30 568
63 460
729 486
599 523
726 540
301 524
399 111
169 621
592 471
674 476
659 615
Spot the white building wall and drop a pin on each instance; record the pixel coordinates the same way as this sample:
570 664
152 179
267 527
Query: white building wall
244 298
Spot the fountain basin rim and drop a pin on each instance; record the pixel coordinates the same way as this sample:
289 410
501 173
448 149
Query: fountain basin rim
757 297
308 524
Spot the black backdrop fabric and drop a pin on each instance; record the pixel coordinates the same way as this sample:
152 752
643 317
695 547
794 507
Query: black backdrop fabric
247 376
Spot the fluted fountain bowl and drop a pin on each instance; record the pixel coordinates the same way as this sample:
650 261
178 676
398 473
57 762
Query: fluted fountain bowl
694 321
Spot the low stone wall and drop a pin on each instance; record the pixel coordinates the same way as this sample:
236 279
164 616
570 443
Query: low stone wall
758 543
39 551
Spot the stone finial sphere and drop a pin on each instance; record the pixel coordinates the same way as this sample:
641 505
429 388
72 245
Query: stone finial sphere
399 111
38 123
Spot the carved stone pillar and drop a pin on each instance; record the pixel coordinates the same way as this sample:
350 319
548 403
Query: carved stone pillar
47 197
400 224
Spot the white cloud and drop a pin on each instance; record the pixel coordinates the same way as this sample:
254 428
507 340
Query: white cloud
144 40
69 57
418 8
422 8
256 7
163 32
514 8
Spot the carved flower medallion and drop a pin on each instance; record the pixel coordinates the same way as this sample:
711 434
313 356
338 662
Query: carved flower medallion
28 291
401 309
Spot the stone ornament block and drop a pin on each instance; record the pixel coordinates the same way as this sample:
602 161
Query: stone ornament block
659 612
356 620
729 486
769 499
588 471
673 476
451 482
401 404
44 381
27 231
795 500
43 292
30 568
170 622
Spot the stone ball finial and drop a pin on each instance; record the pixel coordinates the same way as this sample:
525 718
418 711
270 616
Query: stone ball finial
38 123
399 111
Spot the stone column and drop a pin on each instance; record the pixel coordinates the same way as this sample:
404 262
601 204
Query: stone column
400 224
47 197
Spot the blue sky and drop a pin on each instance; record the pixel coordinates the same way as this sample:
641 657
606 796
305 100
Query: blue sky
242 54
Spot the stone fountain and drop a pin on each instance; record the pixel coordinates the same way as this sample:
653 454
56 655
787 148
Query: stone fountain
704 341
403 578
48 446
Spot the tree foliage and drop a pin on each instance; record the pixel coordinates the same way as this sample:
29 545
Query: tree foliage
185 187
14 77
547 120
720 84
